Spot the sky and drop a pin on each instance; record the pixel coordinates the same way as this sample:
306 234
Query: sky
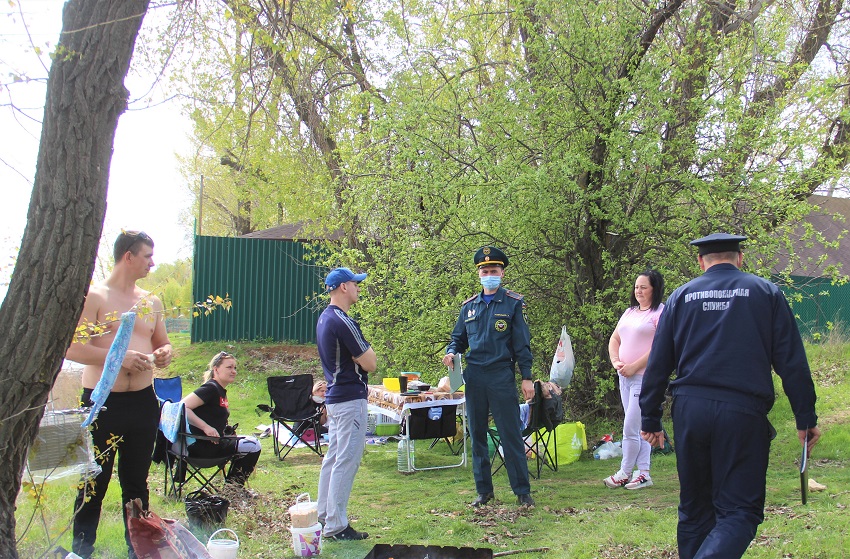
146 190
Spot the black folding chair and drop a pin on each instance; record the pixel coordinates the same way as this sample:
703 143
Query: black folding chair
455 444
181 468
291 402
540 437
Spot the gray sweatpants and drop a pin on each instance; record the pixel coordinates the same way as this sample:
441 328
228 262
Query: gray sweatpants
347 440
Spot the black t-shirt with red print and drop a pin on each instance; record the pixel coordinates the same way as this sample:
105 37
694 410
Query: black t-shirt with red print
214 410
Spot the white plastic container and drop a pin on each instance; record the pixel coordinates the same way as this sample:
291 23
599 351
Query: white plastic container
223 549
307 542
304 513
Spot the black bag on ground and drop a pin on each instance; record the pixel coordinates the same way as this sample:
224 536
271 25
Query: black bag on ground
206 511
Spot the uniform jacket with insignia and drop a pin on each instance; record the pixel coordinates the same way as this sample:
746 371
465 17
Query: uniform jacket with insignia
495 335
723 332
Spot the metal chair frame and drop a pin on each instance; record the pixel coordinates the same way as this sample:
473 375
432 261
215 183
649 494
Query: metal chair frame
455 407
181 468
539 440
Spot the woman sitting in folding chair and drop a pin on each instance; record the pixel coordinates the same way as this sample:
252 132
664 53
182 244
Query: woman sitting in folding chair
207 411
320 388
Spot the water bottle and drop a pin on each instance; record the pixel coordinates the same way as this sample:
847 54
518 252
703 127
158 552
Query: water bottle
605 451
403 464
412 463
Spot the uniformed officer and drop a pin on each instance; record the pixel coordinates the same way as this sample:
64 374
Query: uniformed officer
722 332
493 327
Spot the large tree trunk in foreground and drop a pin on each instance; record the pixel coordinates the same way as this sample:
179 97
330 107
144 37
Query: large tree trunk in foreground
85 97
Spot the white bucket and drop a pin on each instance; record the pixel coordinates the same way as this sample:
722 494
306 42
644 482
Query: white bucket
307 542
223 549
304 513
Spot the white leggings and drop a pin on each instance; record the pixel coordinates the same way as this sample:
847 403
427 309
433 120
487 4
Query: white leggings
636 451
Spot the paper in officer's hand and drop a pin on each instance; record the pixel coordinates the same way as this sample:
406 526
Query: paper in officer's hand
456 374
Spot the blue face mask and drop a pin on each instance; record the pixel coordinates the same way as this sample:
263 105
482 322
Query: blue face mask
491 282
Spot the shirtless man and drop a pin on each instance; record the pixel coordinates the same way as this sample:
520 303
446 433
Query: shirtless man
128 422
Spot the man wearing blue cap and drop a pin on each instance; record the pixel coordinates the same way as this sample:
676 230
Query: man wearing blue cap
346 358
722 332
493 328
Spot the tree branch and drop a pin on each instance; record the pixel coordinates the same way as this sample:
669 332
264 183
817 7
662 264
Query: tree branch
816 35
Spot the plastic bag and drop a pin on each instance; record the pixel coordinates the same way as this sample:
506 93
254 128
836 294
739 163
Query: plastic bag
608 450
155 538
206 511
571 441
564 361
61 448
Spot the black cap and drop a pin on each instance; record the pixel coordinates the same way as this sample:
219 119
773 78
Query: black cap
490 255
719 242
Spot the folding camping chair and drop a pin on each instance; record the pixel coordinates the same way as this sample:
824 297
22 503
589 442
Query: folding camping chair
181 468
540 438
455 446
434 420
291 401
167 390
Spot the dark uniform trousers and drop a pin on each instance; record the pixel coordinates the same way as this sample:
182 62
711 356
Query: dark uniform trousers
722 452
494 390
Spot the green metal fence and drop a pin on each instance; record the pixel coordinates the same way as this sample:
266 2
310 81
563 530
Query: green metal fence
274 293
272 287
821 305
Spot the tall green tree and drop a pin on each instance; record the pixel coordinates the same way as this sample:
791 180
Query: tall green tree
172 283
85 97
589 140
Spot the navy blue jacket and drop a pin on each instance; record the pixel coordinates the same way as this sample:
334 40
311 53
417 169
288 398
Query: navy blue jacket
496 335
722 332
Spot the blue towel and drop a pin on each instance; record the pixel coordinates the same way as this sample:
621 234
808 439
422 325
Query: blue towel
112 366
524 415
169 421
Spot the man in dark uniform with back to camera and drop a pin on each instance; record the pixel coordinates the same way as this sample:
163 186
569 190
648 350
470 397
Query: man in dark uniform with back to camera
722 332
493 327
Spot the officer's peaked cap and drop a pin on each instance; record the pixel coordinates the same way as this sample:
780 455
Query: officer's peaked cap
490 255
719 242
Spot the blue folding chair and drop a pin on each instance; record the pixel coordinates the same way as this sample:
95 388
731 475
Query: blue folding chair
167 390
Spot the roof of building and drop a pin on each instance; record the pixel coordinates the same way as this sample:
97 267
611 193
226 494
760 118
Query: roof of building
822 220
299 231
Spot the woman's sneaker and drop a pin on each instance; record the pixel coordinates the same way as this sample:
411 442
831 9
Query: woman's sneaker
620 479
639 482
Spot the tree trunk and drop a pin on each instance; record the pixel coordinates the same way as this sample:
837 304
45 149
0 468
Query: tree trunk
85 97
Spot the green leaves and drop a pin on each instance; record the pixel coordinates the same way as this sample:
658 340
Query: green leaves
588 140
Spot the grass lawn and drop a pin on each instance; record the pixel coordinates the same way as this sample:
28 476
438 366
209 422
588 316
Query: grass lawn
576 515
